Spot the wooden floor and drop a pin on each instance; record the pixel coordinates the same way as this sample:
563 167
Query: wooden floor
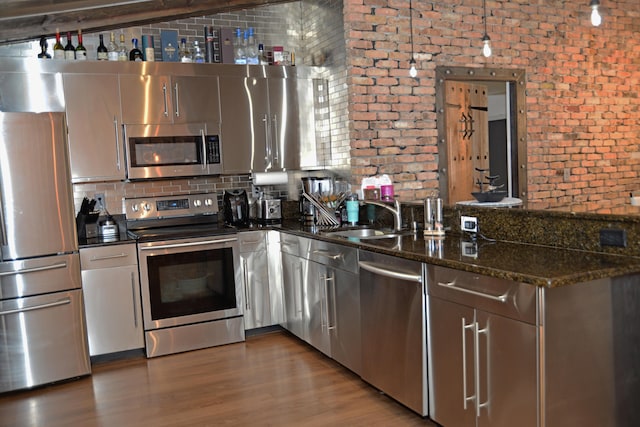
270 380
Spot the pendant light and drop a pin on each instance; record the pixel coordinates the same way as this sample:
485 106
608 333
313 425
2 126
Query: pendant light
486 40
596 19
413 72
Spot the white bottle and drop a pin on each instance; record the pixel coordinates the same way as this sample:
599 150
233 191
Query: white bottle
112 49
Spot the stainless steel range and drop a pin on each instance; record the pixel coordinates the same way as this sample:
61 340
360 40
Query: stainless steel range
190 296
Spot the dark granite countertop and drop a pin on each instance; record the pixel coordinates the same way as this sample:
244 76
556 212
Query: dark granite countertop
526 263
122 238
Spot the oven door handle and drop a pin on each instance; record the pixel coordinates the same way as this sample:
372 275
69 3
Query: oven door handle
186 245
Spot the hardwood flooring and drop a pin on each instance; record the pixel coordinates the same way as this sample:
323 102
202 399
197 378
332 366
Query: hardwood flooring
269 380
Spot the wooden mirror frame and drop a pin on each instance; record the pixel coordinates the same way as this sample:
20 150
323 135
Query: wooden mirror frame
467 74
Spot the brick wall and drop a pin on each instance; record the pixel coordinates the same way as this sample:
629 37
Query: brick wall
582 91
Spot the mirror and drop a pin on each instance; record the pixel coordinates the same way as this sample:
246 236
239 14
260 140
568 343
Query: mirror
481 123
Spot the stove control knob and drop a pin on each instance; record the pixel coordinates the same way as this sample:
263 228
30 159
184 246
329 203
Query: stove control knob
197 203
134 207
146 207
208 202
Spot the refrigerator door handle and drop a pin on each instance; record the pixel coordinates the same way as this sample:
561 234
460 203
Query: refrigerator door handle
34 269
3 227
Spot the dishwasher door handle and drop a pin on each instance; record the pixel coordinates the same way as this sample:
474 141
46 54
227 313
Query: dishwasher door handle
452 285
384 271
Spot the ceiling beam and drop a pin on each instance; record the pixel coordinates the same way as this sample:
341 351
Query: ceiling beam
29 19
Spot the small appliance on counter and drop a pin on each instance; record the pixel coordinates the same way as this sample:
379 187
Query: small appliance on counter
236 208
268 210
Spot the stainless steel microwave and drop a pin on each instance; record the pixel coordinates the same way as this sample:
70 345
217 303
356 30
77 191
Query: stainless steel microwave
172 151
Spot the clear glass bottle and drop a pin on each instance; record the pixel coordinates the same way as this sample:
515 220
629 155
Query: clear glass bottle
69 49
251 49
112 52
123 53
81 51
58 49
135 54
102 52
183 52
198 54
240 56
43 49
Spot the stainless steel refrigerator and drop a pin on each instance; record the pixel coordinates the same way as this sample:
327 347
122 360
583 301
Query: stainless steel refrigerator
42 327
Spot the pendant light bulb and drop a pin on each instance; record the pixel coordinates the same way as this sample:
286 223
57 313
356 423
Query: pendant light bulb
596 19
486 46
413 71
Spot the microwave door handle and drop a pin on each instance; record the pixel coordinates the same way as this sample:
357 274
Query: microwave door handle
204 149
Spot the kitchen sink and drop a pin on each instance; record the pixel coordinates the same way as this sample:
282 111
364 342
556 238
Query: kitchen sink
364 233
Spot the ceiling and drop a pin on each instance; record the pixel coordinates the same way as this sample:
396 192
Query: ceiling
22 20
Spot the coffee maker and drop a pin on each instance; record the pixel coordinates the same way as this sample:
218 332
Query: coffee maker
235 207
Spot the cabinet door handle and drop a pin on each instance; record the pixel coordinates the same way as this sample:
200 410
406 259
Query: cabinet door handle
164 97
331 281
298 288
115 125
267 142
176 101
133 296
276 156
106 257
245 272
465 398
452 285
328 254
476 340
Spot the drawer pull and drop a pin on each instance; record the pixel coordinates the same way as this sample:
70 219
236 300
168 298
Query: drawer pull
452 285
106 257
328 254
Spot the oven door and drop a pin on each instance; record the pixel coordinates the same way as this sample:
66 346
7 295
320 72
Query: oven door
189 281
170 151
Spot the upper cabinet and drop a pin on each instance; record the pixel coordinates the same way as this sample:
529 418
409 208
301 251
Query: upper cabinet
260 124
166 99
93 119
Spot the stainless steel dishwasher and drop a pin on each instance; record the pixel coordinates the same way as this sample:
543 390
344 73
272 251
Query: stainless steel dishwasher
392 313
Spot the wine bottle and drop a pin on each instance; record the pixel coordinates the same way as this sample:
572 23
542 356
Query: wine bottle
103 53
69 49
43 49
58 49
135 54
112 53
81 51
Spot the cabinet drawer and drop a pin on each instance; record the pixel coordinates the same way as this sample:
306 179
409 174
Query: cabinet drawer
335 256
294 245
252 241
500 296
108 256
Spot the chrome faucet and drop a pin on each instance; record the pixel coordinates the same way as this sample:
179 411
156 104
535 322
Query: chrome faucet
395 210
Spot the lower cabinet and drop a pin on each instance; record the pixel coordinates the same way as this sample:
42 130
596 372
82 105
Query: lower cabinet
322 297
112 298
482 350
254 274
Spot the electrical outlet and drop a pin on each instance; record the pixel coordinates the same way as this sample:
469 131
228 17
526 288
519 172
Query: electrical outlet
469 224
101 203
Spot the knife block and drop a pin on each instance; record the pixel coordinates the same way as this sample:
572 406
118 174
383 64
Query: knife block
87 225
